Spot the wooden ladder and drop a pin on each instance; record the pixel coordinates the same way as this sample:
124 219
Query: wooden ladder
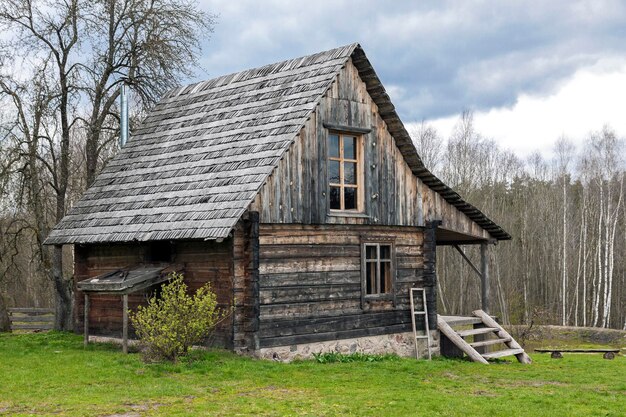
491 327
424 312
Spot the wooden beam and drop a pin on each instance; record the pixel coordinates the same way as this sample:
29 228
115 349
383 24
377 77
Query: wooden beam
86 321
125 323
468 259
484 277
347 129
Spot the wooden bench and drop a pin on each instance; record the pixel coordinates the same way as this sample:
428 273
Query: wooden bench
558 353
33 319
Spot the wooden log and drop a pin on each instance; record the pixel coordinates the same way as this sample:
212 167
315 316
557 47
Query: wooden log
576 350
503 334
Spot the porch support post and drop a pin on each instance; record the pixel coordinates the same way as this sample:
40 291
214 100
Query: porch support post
86 321
125 323
484 277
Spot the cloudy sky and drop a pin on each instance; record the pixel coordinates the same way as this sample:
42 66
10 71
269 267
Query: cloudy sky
530 71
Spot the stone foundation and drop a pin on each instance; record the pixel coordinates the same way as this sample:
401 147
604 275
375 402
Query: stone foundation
400 344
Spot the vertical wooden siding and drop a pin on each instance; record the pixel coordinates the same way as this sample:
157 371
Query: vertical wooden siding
310 282
204 262
296 192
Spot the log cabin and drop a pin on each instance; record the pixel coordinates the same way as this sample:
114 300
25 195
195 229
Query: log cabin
294 190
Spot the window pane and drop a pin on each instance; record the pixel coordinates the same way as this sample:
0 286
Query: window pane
370 277
333 146
349 147
385 252
370 252
349 173
333 172
349 198
385 276
335 198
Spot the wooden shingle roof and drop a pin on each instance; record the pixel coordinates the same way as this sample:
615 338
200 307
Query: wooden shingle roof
205 150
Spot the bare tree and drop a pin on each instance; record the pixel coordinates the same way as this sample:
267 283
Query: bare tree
80 51
148 46
429 145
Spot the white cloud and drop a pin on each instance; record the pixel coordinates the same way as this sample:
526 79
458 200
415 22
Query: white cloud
592 97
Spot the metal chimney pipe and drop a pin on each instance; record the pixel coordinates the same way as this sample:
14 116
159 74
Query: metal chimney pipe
123 116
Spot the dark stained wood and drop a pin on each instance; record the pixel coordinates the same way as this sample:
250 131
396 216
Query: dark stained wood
310 282
334 335
246 307
204 262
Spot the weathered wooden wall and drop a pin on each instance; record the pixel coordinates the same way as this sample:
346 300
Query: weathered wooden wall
310 282
296 192
246 283
203 262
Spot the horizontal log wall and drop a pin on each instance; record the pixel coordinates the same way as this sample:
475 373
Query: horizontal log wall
204 262
297 190
310 282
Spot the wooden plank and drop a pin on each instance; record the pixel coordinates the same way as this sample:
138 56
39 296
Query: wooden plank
503 353
320 337
30 310
309 309
30 326
503 334
474 332
592 350
32 319
306 293
314 325
267 281
461 321
458 341
488 342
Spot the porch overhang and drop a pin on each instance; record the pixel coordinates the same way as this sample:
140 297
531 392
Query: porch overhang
448 237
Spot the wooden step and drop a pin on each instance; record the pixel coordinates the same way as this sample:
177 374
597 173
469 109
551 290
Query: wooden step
473 332
490 342
502 353
461 321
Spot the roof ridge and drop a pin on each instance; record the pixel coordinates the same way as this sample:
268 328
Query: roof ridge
345 50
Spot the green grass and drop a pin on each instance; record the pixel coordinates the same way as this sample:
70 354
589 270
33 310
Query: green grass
52 374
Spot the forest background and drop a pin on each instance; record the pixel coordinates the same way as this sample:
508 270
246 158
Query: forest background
59 84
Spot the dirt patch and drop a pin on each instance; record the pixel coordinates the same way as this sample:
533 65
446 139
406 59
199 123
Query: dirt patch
483 393
135 410
536 384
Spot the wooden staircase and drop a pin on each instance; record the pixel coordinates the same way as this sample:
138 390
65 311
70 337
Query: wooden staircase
484 326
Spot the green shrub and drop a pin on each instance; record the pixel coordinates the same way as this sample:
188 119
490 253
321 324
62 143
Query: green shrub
331 357
175 321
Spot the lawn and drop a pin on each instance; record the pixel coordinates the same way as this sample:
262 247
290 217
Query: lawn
52 374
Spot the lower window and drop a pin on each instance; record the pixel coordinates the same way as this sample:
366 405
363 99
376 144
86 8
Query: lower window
378 268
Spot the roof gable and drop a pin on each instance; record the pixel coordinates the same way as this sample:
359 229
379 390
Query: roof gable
202 154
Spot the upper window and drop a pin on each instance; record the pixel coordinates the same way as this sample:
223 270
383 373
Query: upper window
378 268
343 171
